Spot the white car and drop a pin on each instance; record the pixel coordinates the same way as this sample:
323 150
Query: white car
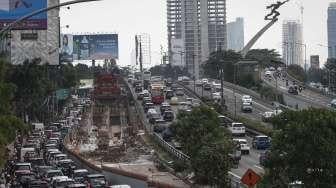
216 96
198 83
245 149
237 129
174 101
268 73
205 80
247 99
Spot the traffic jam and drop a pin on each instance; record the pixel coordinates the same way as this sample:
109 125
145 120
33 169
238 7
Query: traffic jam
39 159
162 100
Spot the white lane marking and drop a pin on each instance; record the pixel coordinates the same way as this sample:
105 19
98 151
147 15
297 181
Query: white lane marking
234 175
257 166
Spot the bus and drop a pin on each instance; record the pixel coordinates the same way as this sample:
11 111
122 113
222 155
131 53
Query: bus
157 93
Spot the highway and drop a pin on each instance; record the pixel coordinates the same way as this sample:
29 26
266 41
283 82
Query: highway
305 99
250 161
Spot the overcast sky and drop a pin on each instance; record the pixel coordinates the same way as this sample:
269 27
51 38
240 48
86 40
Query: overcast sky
128 17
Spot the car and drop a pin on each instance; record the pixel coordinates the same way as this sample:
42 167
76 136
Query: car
138 89
140 96
22 166
263 157
50 174
174 87
216 96
237 129
164 107
247 99
245 149
266 116
198 83
78 175
207 87
292 90
153 117
333 103
224 121
76 185
168 116
146 100
246 107
146 93
148 106
169 94
205 80
96 180
67 166
261 142
268 74
159 128
167 135
119 186
62 182
173 101
38 184
179 92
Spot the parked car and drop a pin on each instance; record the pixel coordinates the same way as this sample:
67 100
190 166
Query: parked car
261 142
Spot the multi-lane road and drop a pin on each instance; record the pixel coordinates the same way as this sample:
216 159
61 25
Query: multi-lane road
305 99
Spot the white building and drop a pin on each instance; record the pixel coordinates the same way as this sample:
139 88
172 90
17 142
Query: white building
145 40
235 35
201 27
292 47
43 44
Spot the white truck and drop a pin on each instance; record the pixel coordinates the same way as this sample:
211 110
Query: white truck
38 126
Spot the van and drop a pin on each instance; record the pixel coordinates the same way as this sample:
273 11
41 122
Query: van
237 129
38 126
261 142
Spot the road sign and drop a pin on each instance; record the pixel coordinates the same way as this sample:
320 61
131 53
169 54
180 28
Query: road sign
250 178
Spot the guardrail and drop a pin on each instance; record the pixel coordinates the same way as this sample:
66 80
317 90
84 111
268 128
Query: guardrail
171 149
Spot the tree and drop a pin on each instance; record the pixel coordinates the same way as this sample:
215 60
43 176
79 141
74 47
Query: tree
303 149
297 72
206 143
222 60
265 57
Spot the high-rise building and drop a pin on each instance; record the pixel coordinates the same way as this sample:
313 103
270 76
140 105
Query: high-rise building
235 35
332 30
145 40
195 29
315 62
292 43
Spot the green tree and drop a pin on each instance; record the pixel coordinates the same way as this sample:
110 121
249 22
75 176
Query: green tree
265 57
303 149
206 143
297 72
222 60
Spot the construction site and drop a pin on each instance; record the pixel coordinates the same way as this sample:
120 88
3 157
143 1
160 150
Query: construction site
111 134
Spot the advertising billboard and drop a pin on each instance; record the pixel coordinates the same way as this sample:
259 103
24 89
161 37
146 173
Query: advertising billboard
11 10
66 52
99 47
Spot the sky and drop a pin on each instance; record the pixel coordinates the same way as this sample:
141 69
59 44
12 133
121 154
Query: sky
129 17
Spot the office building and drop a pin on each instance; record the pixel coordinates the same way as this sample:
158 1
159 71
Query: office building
314 62
145 40
292 44
332 30
195 29
38 40
235 35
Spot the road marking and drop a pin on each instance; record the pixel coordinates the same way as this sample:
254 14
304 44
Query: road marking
257 166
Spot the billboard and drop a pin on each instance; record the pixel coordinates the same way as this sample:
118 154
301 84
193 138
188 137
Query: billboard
66 51
11 10
99 47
